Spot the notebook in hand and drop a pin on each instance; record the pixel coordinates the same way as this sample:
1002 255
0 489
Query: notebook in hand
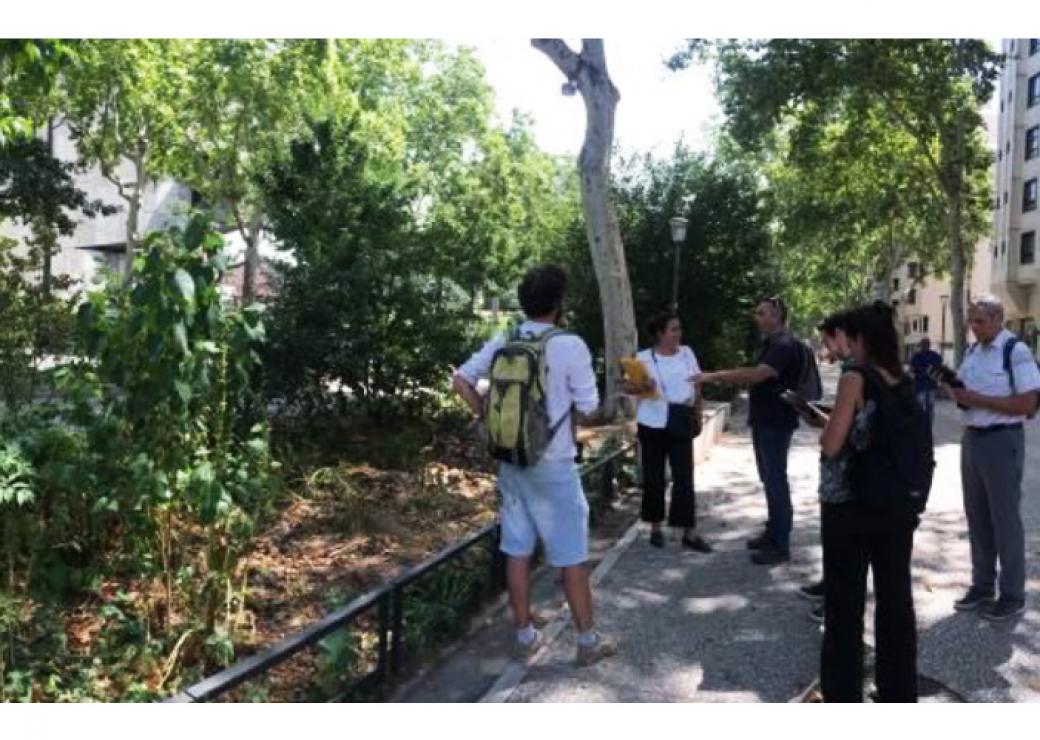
635 373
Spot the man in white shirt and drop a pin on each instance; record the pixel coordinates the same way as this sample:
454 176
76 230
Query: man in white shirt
996 400
545 501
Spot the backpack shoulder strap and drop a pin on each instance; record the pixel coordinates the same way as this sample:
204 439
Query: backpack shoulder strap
550 333
1009 347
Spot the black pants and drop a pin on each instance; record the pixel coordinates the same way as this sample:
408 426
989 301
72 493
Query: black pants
853 539
656 447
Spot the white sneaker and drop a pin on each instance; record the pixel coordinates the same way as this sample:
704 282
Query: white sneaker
524 652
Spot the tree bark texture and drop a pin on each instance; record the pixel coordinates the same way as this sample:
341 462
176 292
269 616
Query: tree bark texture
251 268
587 72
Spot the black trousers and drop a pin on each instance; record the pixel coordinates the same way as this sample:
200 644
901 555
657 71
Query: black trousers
853 539
657 447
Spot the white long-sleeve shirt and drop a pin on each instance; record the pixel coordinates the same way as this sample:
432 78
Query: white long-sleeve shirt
569 376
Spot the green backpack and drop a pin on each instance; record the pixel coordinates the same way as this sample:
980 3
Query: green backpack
518 425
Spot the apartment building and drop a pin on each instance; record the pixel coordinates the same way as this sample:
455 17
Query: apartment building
1016 221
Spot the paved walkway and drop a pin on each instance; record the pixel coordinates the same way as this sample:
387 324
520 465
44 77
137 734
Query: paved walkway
717 628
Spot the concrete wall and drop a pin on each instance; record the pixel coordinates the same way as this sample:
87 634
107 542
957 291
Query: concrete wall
716 416
162 204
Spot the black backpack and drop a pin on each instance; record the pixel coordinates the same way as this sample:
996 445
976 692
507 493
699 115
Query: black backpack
809 385
893 466
1009 347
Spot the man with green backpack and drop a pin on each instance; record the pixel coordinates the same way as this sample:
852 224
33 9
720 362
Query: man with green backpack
540 376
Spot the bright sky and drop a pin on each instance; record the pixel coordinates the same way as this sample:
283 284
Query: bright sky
657 106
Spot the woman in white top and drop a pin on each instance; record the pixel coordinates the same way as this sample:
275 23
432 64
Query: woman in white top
671 367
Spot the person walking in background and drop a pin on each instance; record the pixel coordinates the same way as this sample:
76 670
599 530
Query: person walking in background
922 362
772 422
1001 383
668 418
542 497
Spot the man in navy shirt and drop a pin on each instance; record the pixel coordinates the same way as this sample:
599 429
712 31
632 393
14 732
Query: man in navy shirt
772 422
923 360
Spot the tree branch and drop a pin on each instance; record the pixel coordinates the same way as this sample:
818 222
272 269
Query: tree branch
106 172
561 55
240 222
593 53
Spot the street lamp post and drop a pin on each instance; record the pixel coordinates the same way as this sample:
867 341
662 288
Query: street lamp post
678 225
942 337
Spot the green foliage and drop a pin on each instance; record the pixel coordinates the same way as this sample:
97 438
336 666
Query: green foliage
338 661
36 191
851 210
360 307
377 163
153 461
896 119
123 98
29 71
401 203
173 378
726 261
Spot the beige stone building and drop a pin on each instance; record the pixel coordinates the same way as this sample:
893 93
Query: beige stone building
922 302
1016 220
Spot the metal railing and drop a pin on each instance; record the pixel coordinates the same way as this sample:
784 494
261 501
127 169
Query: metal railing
388 604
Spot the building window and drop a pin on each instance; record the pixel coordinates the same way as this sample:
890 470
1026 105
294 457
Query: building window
915 326
994 250
1033 142
1001 106
906 327
1029 195
1027 253
1007 147
911 297
924 324
913 269
1034 46
1003 246
1005 197
895 284
1034 91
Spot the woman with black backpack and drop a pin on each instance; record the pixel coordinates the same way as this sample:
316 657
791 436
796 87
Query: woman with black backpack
875 422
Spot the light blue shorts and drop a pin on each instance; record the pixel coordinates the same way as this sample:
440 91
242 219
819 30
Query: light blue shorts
545 501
